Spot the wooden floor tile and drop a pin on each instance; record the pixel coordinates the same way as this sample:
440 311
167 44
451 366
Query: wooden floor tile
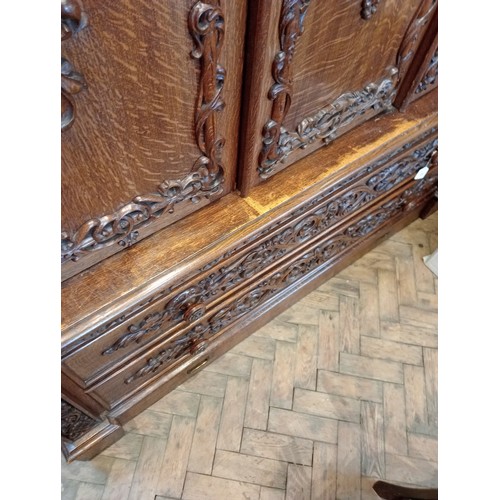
201 487
324 472
329 340
283 375
119 480
277 446
349 462
255 470
306 357
298 484
259 392
350 386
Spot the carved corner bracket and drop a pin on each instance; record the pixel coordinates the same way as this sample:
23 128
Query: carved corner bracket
206 26
73 20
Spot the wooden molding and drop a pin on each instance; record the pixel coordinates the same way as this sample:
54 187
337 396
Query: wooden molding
413 36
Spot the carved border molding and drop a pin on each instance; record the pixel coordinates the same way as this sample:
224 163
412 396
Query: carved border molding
196 340
272 249
73 20
74 423
413 35
369 8
290 28
206 25
430 77
227 276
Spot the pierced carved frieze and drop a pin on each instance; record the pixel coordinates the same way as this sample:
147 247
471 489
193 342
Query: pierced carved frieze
326 123
206 25
196 340
73 20
327 212
272 249
413 36
430 77
74 423
290 28
369 8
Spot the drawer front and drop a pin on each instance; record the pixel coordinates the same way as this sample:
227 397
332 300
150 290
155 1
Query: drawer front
187 349
169 312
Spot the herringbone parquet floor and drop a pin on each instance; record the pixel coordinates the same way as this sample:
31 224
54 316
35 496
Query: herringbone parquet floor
339 390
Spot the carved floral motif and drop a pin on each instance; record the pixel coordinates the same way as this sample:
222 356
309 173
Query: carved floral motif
329 249
74 423
327 211
206 25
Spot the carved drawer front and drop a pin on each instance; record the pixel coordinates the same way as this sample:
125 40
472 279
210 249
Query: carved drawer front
150 95
186 350
322 69
96 353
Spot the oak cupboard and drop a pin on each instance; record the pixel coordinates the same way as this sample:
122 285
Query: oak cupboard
219 161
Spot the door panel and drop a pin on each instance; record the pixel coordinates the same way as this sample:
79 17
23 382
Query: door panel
150 97
319 69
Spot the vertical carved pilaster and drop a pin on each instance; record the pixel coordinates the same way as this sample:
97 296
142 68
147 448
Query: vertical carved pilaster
291 27
206 25
73 20
413 35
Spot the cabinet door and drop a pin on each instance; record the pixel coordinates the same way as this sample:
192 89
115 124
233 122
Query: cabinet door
150 95
316 69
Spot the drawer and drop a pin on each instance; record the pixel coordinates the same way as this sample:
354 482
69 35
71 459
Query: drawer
98 352
187 349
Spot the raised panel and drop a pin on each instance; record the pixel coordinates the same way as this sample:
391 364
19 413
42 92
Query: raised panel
151 95
323 68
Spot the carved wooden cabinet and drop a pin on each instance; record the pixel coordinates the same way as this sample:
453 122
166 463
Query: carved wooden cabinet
198 201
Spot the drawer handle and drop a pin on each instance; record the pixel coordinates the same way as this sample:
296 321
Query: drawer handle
197 368
194 312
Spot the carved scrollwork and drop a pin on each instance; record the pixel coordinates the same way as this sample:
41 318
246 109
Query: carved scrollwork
331 248
328 121
291 27
368 8
206 25
430 77
74 423
413 35
296 228
324 217
73 20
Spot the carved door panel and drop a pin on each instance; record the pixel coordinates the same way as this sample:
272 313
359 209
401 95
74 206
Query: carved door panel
316 69
150 95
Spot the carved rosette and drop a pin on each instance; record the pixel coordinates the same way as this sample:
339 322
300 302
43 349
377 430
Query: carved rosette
324 217
74 423
368 8
430 77
73 20
291 27
332 247
206 25
413 35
